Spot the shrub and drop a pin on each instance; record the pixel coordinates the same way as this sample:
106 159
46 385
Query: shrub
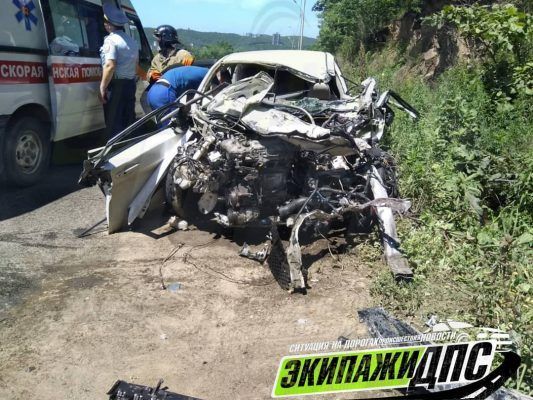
468 166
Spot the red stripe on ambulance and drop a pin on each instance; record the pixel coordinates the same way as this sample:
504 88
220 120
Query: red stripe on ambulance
12 72
76 73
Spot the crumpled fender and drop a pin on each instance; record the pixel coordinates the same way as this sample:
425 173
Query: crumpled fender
135 173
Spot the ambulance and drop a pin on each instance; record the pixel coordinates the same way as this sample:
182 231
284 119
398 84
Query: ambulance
50 72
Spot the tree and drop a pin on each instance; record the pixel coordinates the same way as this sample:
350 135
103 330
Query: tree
502 36
346 24
215 51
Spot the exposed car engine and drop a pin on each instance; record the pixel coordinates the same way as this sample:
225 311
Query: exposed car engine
270 163
281 154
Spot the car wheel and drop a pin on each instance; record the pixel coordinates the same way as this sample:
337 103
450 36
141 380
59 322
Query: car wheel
26 151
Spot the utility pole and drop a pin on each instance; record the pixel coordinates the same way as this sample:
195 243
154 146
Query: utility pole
302 22
303 26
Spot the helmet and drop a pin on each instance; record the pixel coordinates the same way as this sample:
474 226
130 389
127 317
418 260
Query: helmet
166 35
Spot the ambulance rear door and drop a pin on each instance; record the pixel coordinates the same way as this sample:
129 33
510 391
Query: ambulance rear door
135 29
76 33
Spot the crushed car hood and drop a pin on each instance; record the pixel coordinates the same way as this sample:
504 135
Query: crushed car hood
311 65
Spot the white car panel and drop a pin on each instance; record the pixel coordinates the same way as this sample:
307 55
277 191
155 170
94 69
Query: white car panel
135 175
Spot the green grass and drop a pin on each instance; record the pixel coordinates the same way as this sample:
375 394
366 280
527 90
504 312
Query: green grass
468 166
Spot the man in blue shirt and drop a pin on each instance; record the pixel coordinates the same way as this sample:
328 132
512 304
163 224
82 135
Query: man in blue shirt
174 83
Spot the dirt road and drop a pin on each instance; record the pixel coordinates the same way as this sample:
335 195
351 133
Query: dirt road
78 314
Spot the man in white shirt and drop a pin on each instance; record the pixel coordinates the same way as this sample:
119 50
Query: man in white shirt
120 56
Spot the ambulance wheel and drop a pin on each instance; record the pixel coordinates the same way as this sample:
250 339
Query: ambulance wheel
27 151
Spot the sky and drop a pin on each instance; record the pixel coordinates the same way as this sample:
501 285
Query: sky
229 16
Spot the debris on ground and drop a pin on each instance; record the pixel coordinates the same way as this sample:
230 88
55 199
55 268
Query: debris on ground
178 224
122 390
381 325
174 287
260 256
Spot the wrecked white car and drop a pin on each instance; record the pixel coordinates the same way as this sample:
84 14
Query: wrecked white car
282 145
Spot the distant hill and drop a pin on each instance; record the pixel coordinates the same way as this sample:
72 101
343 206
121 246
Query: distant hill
194 40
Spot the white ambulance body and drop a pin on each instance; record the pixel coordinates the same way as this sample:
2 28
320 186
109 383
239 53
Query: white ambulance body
50 71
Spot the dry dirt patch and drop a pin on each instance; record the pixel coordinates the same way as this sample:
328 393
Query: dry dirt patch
102 316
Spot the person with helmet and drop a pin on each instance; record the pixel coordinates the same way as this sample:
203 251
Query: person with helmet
170 52
174 83
120 56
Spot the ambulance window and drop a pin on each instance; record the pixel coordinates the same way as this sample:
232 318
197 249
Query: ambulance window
68 33
78 28
92 24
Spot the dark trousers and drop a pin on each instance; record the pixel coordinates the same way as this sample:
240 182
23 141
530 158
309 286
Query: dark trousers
119 110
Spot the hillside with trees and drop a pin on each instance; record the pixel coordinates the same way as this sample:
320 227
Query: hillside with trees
467 164
215 44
